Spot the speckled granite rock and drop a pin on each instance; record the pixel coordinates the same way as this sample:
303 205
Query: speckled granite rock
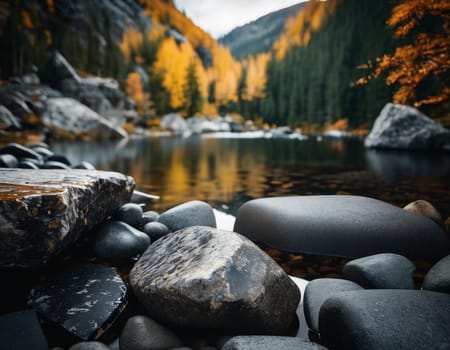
84 299
43 212
208 278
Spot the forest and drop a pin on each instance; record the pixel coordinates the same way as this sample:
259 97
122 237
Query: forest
336 63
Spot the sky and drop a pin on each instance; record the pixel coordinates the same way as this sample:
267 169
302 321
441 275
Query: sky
218 17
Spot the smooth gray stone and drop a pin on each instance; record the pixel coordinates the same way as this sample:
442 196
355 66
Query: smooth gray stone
27 165
43 151
19 151
317 292
438 278
118 240
60 158
381 271
84 165
131 214
21 330
202 277
8 161
143 333
344 226
254 342
156 230
89 345
149 216
53 164
386 319
193 213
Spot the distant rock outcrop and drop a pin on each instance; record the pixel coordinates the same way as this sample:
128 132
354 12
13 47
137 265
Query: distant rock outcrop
404 127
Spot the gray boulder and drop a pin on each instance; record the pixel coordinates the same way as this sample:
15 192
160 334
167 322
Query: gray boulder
404 127
193 213
261 342
386 319
345 226
317 292
381 271
142 333
208 278
175 123
438 278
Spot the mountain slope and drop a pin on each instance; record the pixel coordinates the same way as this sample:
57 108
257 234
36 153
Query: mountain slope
259 35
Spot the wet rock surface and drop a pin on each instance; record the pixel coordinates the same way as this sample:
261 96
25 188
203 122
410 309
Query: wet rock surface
205 277
344 226
270 343
438 278
193 213
84 299
43 212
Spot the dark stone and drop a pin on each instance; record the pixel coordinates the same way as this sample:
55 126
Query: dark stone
438 278
89 345
21 331
193 213
143 333
84 165
26 164
344 226
203 277
404 127
156 230
19 151
317 292
59 158
381 271
84 299
255 342
114 345
386 319
118 240
52 164
43 151
131 214
8 161
7 120
149 216
43 212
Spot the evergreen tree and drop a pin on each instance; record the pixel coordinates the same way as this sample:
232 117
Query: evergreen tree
192 94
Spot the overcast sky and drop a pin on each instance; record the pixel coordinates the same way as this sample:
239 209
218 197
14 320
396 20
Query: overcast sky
219 17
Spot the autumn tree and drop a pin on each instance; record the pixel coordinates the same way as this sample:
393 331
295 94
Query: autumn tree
419 68
192 94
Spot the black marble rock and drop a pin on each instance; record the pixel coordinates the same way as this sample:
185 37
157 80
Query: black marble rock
83 299
438 277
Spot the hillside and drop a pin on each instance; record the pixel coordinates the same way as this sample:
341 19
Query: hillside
259 35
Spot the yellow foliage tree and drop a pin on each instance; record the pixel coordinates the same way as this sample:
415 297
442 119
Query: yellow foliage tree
135 89
256 76
131 42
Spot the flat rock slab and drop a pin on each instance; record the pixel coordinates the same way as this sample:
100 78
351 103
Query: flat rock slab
343 226
85 299
43 212
202 277
386 319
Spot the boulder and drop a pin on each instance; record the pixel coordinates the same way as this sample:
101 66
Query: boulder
317 292
142 333
118 240
421 207
175 123
264 342
83 299
21 330
344 226
386 319
65 114
203 277
43 212
404 127
438 278
193 213
381 271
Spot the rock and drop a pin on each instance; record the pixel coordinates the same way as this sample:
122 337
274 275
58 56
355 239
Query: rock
142 333
118 240
344 226
43 212
259 342
44 152
83 299
84 165
438 278
131 214
51 164
426 209
8 161
193 213
59 158
386 319
21 330
149 216
404 127
26 164
317 292
175 123
7 120
203 277
381 271
156 230
89 345
20 151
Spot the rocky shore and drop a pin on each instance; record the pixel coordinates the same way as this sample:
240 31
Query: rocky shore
87 264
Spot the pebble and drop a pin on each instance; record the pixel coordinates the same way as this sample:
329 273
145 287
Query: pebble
156 230
438 278
8 161
131 214
193 213
149 216
424 208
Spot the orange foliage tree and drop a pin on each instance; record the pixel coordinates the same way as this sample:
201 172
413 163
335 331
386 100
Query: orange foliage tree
420 68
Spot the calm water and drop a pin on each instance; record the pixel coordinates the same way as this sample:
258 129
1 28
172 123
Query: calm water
228 172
